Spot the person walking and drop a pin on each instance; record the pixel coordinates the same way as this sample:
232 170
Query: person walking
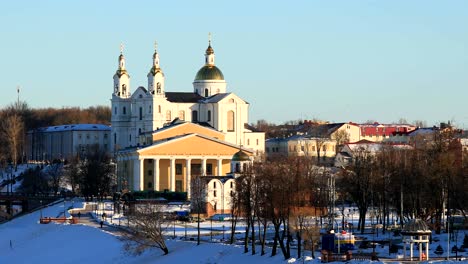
79 214
102 222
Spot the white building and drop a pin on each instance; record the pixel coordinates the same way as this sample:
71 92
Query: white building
66 141
135 116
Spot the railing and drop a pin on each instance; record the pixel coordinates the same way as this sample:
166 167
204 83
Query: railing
29 195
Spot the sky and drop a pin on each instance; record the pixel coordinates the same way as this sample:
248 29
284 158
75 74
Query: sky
331 60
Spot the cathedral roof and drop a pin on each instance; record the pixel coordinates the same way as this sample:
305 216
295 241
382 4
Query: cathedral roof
209 72
241 156
183 97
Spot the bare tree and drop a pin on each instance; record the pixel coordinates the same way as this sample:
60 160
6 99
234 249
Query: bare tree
53 173
11 129
198 199
145 230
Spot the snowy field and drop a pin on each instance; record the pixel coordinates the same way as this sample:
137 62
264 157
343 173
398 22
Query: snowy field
24 240
32 242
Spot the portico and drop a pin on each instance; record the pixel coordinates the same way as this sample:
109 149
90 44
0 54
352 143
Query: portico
168 165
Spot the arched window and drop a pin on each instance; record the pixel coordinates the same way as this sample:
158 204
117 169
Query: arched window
182 115
159 109
194 116
168 115
115 110
158 88
206 92
124 89
149 111
209 116
230 121
237 167
124 110
140 113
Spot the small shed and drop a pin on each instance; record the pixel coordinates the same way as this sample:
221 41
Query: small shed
416 231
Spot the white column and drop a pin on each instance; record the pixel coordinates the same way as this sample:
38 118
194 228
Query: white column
156 174
411 251
427 249
420 250
220 167
172 176
203 167
142 174
137 174
188 177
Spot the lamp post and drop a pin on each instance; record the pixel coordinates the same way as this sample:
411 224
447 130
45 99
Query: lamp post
223 232
173 223
41 210
211 228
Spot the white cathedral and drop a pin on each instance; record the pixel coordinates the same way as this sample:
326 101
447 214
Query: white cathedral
137 115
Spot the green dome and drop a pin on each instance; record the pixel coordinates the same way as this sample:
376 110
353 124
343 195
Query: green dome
209 72
241 156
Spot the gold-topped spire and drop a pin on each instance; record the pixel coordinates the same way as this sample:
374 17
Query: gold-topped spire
121 48
209 38
155 46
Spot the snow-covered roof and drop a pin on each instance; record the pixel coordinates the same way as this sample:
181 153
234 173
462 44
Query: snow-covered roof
76 127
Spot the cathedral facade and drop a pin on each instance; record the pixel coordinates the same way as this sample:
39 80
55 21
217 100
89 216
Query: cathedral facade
160 138
136 115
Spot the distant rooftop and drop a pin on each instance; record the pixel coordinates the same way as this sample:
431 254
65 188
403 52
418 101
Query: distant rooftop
76 127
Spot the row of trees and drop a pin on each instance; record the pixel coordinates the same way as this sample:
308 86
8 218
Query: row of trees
90 176
18 118
424 181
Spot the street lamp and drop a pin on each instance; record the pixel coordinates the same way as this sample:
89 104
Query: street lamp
41 210
223 232
211 228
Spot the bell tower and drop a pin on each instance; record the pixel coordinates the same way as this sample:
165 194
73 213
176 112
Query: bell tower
120 106
156 76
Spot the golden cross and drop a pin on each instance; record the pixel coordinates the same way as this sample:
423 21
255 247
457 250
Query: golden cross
155 45
209 38
121 48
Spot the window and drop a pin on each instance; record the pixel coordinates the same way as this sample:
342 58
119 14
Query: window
168 115
159 109
209 169
267 149
257 141
124 89
313 148
115 138
206 92
232 185
248 142
130 137
87 136
115 110
149 110
124 110
214 185
194 116
214 195
302 148
230 121
79 136
141 113
209 116
182 115
158 88
178 169
139 131
237 167
105 135
150 185
178 186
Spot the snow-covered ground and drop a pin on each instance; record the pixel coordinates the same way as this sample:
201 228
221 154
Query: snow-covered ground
24 240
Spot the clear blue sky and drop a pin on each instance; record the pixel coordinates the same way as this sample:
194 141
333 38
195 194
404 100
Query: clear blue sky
331 60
